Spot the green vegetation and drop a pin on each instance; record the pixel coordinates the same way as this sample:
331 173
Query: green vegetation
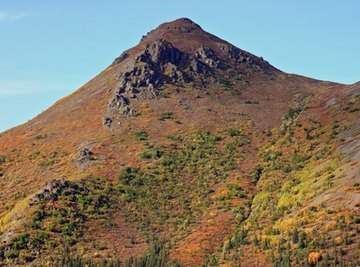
128 174
166 116
175 184
228 86
168 192
295 169
153 152
172 185
234 191
256 173
47 163
156 256
289 121
233 132
2 159
40 136
62 226
49 159
141 135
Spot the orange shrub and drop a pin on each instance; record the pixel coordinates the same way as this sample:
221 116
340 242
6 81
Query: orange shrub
339 240
314 257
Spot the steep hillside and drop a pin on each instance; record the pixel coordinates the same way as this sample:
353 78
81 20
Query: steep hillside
185 151
306 207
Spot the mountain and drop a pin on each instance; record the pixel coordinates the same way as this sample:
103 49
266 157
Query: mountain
186 151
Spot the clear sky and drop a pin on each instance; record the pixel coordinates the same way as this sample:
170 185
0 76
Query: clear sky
49 48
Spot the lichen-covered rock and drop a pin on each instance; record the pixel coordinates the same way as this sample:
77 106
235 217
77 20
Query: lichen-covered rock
209 57
245 59
84 159
231 51
161 52
179 77
148 75
120 103
6 236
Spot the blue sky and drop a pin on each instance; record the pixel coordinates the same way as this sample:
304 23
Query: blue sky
49 48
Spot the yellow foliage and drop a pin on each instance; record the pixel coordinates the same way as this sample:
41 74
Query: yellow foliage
145 108
287 224
330 226
355 99
261 198
15 213
339 240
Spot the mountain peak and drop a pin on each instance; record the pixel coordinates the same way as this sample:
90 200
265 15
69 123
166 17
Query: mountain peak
180 53
182 24
183 36
183 33
187 138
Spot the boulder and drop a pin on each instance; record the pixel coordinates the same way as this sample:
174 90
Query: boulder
85 158
120 104
121 58
107 122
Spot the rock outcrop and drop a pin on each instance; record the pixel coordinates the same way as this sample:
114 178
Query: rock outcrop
84 159
160 62
51 191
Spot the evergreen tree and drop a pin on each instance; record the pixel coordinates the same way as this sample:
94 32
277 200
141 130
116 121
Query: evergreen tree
302 240
295 236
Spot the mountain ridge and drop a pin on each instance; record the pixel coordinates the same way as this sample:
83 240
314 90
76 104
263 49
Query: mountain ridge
188 138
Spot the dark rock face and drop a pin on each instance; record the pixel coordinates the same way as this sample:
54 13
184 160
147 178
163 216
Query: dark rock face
161 63
209 58
178 77
120 104
245 59
156 65
232 52
161 52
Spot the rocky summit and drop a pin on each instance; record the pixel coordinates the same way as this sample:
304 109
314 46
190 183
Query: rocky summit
161 63
186 151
